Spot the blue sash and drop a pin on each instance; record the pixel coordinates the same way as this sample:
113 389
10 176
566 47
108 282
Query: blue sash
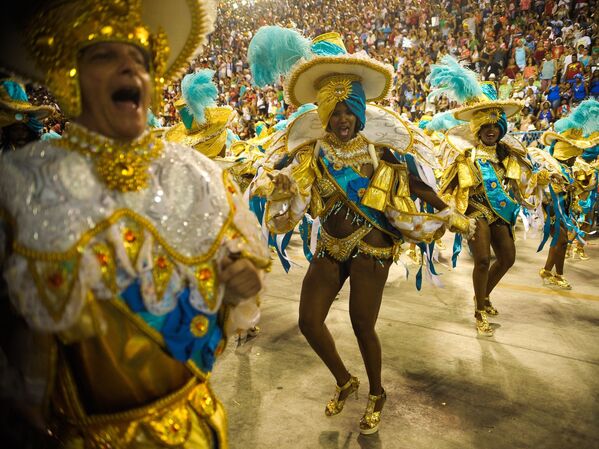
354 185
499 200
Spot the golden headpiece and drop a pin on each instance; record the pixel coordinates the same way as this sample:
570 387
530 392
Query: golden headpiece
480 105
170 33
484 116
57 36
573 134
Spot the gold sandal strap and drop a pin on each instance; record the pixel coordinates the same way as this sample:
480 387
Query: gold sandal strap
346 385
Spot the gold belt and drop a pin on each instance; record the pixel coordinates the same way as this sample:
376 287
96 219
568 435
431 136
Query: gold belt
191 413
341 249
377 252
481 210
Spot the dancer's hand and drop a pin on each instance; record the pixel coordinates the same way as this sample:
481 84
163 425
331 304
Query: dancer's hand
461 224
241 278
283 187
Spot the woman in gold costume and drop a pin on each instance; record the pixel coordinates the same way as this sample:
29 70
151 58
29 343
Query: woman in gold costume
571 137
130 259
346 164
488 176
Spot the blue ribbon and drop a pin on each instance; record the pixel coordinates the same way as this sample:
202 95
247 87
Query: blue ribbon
281 248
546 228
431 266
457 249
258 207
305 230
558 200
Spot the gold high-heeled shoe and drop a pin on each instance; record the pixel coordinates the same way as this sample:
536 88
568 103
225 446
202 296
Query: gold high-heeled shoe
569 251
546 276
579 251
369 423
335 406
482 323
487 308
561 282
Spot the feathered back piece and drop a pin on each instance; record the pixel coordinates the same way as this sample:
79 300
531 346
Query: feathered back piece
273 51
443 121
454 80
199 92
585 117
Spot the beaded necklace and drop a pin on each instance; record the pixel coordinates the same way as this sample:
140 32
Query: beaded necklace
353 153
486 152
121 166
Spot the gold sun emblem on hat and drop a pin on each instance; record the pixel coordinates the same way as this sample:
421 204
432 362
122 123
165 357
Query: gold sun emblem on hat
341 90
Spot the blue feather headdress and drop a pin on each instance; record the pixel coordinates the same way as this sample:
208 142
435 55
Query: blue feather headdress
579 130
585 118
273 51
152 120
479 101
199 92
454 80
443 121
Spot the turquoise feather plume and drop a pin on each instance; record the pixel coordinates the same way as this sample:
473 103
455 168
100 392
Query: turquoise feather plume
303 108
152 120
273 51
443 121
585 117
199 92
454 80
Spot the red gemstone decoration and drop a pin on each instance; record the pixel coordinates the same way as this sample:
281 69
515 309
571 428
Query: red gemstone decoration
161 262
205 274
130 236
102 258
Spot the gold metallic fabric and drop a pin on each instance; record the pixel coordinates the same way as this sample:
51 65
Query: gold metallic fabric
122 390
389 186
565 150
133 367
189 418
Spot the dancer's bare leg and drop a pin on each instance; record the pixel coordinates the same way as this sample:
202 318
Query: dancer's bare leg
367 280
322 282
480 246
505 253
557 253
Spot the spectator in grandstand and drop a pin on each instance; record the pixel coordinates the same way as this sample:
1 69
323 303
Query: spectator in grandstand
594 85
573 68
579 90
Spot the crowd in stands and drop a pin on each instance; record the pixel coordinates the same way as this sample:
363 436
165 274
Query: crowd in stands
542 52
